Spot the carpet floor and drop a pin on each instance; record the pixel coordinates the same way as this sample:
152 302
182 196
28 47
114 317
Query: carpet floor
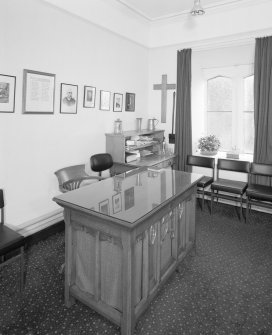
225 288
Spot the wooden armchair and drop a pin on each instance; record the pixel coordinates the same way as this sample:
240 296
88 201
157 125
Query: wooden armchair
73 177
12 244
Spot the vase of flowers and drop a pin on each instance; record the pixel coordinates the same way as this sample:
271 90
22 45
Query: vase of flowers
209 145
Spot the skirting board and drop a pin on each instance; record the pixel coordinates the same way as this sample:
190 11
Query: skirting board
237 203
33 226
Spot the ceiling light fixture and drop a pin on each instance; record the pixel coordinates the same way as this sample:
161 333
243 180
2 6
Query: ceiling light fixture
197 9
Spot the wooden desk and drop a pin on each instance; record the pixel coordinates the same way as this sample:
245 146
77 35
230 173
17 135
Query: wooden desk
124 236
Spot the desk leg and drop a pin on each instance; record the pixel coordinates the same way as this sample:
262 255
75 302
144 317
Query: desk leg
69 301
128 316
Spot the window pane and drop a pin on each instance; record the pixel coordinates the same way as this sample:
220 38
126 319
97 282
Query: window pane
248 124
220 124
219 94
249 94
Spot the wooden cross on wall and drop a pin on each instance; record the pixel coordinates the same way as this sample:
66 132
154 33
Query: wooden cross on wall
164 87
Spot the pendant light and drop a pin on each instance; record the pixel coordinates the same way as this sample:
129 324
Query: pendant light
197 9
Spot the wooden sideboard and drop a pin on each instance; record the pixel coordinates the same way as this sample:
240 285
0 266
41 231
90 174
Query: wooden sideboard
124 236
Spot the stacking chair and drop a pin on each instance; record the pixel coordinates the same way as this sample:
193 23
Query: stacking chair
101 162
206 162
73 177
11 244
259 194
232 189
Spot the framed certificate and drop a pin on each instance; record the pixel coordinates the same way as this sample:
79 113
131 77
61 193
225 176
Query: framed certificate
38 92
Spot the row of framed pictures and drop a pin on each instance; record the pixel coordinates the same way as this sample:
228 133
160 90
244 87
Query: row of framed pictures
105 98
39 95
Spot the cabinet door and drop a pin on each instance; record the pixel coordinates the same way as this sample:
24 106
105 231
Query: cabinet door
166 238
186 225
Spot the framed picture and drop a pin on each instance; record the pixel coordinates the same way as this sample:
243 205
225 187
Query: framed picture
116 203
89 97
104 207
7 93
105 100
68 99
117 102
129 198
38 92
130 102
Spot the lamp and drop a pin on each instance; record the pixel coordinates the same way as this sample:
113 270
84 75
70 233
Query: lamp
197 9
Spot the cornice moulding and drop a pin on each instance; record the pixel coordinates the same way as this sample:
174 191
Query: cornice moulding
221 42
218 6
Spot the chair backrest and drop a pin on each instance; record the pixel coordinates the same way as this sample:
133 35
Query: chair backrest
101 162
232 165
261 169
70 172
207 162
2 205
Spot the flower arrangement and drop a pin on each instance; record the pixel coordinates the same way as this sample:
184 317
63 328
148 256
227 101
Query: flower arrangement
209 143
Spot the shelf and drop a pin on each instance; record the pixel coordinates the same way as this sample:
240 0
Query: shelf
139 147
130 133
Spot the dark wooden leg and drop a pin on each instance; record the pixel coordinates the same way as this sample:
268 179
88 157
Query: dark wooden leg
247 208
203 199
241 207
22 269
211 202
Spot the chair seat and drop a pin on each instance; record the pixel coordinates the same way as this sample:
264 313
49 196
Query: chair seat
9 240
231 186
261 192
205 181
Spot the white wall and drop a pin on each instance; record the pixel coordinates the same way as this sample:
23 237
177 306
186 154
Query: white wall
111 15
164 61
38 36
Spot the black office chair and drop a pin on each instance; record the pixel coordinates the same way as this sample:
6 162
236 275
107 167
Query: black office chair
11 243
101 162
206 162
235 188
259 194
73 177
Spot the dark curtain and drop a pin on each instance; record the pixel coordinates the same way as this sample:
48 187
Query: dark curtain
263 103
183 145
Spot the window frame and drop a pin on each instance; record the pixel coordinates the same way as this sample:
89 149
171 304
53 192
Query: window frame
237 74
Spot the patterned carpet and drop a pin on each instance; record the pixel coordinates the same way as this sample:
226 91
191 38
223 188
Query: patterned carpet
226 288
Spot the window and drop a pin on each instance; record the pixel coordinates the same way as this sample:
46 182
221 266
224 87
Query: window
219 113
248 114
230 107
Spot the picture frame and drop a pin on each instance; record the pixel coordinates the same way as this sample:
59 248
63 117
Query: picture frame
7 93
89 97
130 102
105 97
117 102
38 92
116 203
104 207
68 98
129 198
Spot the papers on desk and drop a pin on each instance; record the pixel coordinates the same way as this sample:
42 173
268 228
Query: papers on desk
132 156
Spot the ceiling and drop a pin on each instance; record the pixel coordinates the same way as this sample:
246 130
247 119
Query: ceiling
158 9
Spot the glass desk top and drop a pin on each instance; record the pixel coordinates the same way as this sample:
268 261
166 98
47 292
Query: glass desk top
130 196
